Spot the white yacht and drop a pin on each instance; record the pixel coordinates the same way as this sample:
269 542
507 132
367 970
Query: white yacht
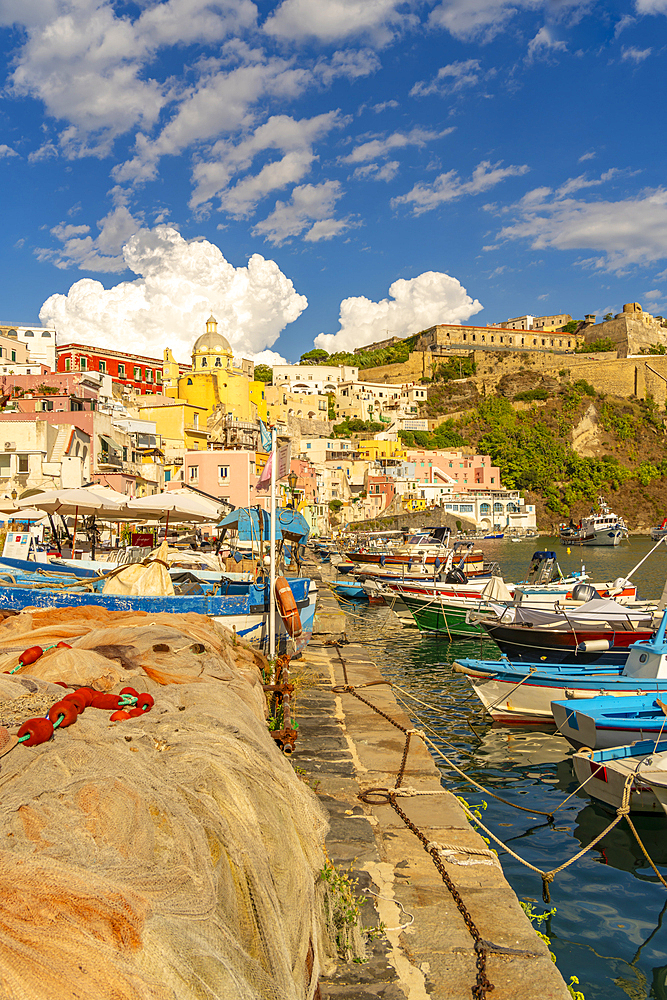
601 527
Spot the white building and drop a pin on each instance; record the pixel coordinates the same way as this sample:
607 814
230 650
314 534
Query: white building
313 378
40 341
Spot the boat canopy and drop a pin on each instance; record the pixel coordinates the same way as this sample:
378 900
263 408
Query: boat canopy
254 525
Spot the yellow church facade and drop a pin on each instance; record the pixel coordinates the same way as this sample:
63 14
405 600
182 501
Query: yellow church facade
217 379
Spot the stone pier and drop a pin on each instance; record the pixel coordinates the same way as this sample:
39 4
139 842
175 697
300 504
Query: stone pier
426 949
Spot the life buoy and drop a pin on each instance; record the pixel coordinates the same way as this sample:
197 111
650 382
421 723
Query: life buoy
287 607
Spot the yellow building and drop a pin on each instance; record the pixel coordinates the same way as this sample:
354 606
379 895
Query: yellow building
373 450
217 379
181 426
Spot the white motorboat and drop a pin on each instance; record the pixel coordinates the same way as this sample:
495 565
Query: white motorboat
601 527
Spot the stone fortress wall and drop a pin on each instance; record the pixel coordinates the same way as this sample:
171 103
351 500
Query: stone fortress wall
627 371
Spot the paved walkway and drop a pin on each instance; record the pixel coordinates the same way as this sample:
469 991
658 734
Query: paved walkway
427 950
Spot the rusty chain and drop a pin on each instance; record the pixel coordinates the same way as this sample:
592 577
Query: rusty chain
381 796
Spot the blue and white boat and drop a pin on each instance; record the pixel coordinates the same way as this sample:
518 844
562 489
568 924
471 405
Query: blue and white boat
522 693
606 772
350 589
243 607
608 721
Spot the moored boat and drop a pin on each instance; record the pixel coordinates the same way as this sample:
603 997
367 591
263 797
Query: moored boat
604 775
523 693
609 721
601 527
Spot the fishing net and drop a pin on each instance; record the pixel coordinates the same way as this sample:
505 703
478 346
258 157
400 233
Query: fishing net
173 856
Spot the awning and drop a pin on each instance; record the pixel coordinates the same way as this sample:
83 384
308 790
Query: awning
111 445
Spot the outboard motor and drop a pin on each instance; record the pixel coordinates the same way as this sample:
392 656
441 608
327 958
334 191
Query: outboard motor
585 592
456 575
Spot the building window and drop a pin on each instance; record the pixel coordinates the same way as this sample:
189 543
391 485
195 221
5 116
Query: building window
223 472
204 363
121 371
28 333
46 334
194 473
218 362
68 364
13 355
103 367
5 469
149 375
158 377
485 508
137 374
195 421
23 463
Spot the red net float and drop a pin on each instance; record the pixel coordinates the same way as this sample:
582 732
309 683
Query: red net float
287 608
76 699
145 702
40 731
66 708
30 655
61 684
129 690
120 715
134 713
104 701
86 694
63 645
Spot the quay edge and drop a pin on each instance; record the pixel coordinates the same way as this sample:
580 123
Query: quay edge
345 747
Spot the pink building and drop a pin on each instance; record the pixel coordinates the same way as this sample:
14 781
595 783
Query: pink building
471 472
230 475
381 492
306 483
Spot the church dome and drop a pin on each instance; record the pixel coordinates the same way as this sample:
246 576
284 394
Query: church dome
212 342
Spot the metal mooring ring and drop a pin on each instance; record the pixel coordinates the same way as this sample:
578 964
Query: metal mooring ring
341 688
375 796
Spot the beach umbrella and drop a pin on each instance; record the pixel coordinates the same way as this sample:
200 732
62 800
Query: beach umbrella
82 500
181 506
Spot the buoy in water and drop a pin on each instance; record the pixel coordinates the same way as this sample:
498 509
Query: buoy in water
568 552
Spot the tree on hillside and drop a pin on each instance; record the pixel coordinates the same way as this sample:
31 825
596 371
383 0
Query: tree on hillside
314 357
263 373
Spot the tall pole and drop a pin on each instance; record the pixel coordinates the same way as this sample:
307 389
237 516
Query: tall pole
272 572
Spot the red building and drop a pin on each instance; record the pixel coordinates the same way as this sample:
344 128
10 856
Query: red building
143 375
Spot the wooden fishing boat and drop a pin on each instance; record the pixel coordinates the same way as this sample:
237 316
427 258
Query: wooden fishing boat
609 721
606 772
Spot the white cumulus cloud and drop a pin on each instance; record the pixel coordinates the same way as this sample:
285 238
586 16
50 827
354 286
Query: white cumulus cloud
310 211
449 187
633 54
413 305
375 148
331 20
625 232
178 285
450 79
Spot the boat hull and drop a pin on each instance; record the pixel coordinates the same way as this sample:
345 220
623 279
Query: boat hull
605 777
234 611
553 646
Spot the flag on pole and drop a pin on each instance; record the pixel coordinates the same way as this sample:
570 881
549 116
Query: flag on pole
265 436
264 481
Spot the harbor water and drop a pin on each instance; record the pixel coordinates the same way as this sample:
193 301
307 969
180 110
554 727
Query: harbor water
609 928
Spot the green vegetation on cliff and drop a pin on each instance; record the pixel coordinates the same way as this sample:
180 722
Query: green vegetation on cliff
395 354
533 447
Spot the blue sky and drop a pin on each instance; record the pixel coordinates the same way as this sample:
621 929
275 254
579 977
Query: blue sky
349 168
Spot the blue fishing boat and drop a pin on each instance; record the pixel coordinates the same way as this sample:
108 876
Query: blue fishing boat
607 721
349 589
238 606
523 692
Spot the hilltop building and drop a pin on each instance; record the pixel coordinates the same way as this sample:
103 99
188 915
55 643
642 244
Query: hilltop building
631 331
